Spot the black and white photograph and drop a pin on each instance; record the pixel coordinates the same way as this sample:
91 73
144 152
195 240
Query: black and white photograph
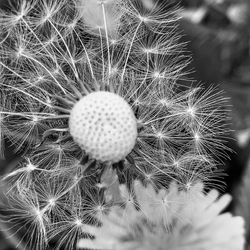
124 124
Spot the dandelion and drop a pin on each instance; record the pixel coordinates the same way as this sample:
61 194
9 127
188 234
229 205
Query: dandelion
89 87
168 219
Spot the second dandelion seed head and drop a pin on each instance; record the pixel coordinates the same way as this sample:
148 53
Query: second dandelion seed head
104 126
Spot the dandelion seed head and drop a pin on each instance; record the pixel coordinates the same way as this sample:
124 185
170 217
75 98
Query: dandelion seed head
104 125
56 60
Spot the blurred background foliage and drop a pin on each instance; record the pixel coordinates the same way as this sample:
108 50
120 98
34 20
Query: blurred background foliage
217 35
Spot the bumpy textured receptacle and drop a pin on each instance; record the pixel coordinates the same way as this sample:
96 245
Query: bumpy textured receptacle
104 125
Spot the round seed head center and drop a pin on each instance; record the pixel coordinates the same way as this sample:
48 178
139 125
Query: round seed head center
104 126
